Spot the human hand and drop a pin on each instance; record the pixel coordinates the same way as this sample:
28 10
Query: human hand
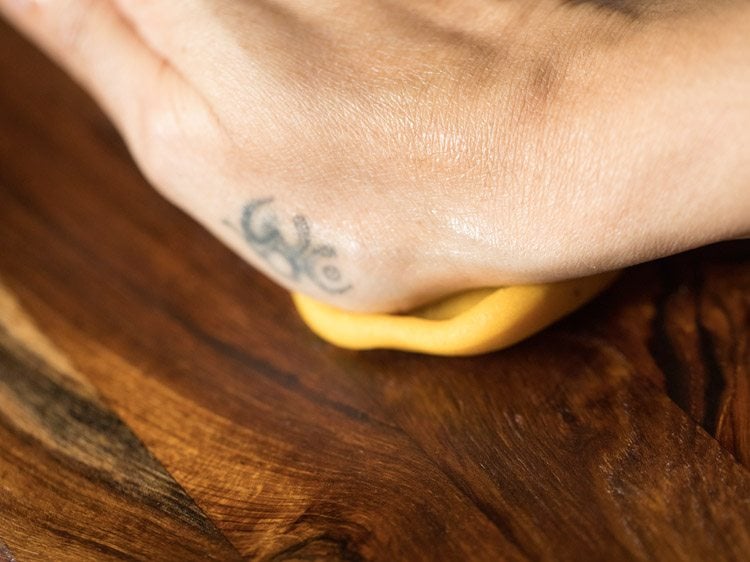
376 154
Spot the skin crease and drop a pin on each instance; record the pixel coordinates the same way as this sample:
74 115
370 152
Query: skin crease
417 148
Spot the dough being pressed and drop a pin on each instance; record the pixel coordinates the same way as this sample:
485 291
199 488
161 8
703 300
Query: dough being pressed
467 323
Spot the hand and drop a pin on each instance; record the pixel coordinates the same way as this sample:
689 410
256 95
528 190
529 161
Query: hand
376 154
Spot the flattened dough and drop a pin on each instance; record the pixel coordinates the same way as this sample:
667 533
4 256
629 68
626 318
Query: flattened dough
467 323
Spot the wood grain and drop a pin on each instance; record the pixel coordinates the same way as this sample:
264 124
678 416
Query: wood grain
700 340
77 483
621 433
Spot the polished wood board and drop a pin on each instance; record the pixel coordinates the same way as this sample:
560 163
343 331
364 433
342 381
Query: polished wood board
160 400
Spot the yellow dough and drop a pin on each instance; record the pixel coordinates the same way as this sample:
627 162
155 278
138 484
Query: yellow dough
468 323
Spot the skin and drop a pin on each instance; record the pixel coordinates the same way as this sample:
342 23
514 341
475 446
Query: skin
376 154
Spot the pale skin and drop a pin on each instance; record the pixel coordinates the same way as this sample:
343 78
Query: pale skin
376 154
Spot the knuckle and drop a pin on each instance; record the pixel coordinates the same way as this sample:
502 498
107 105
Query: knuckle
171 137
73 24
154 143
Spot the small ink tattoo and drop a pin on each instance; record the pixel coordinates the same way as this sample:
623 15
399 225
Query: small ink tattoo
300 259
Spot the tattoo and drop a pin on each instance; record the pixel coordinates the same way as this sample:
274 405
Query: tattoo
298 260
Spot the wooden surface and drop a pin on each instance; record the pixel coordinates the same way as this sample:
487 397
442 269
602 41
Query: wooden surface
159 400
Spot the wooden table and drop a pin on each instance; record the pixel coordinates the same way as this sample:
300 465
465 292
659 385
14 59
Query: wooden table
160 400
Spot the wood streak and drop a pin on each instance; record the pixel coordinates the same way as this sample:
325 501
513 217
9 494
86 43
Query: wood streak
60 418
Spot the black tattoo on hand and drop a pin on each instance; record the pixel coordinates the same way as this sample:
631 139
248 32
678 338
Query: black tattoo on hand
297 260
